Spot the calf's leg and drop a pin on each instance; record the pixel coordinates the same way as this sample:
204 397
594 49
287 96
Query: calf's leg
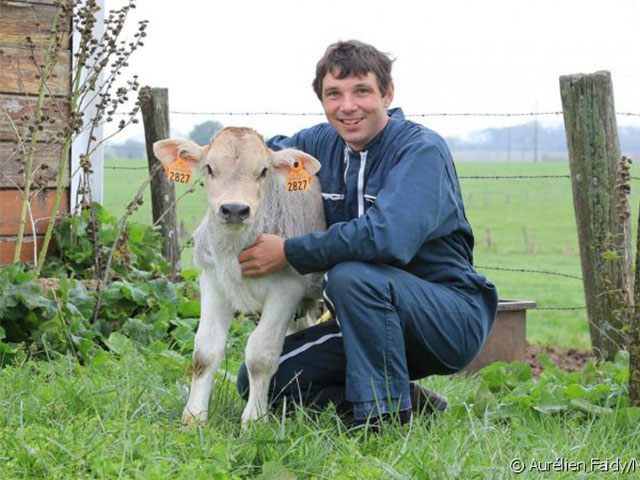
265 344
211 338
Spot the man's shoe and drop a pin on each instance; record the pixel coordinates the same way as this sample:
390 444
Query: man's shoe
378 423
425 401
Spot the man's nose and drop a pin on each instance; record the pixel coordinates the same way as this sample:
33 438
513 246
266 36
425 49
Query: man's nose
348 104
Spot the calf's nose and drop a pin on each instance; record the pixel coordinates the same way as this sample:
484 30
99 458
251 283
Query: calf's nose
234 212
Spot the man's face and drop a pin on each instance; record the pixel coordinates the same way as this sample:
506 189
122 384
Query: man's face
355 108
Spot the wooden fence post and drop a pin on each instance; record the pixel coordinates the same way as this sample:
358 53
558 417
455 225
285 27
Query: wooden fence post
154 105
605 250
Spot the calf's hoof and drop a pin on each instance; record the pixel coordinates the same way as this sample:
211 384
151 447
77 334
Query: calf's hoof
193 419
251 414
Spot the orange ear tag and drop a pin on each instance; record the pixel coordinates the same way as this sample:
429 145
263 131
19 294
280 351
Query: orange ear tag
298 179
179 171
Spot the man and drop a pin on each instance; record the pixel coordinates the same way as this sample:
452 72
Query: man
406 300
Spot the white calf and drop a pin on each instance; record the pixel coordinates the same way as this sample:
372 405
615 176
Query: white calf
246 186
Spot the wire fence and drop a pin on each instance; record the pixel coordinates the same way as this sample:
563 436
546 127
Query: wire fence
413 115
188 244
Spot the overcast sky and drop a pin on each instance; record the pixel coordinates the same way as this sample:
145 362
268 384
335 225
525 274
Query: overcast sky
452 56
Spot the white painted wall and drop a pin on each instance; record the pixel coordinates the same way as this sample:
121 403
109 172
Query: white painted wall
79 145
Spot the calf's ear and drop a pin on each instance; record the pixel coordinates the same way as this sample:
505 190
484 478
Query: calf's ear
167 151
283 160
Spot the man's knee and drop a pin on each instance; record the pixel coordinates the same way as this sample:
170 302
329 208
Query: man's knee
347 278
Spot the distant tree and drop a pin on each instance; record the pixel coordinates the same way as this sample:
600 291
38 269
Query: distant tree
202 133
131 148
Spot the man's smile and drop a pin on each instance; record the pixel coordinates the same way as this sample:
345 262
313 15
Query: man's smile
351 121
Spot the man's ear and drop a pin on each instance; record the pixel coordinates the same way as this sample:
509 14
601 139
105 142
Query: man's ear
167 151
285 159
388 97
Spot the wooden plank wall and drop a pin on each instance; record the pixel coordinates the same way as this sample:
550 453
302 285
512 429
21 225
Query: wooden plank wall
19 84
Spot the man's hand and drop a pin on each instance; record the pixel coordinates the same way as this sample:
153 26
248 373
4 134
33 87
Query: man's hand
266 255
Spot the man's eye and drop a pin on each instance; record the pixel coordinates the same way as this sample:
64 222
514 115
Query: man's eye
209 170
263 173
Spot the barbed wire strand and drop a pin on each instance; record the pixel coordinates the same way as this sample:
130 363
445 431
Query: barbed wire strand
561 308
523 270
461 177
126 168
428 114
508 177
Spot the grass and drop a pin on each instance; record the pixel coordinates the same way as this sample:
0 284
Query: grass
118 418
518 224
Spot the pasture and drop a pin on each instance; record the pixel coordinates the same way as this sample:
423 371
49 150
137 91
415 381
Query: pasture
118 415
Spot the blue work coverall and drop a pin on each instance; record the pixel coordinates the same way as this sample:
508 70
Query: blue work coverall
400 283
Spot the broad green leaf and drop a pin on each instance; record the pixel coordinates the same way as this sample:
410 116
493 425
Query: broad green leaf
136 231
584 406
139 293
549 400
184 336
163 289
190 274
189 308
521 371
576 391
118 343
484 400
550 408
522 400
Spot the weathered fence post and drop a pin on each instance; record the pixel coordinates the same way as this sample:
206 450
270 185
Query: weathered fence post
154 105
605 251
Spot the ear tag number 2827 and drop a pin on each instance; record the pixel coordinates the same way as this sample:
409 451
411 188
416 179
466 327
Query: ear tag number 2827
298 179
179 171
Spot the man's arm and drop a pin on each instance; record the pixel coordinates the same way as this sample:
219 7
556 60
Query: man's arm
266 255
416 204
302 140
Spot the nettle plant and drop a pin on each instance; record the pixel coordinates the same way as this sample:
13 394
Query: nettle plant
98 94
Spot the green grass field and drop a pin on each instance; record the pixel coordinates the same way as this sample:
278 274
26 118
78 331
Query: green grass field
118 418
518 224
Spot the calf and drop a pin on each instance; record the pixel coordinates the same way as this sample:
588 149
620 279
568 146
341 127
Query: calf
246 188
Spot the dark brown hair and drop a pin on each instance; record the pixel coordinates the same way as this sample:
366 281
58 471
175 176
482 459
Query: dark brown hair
353 58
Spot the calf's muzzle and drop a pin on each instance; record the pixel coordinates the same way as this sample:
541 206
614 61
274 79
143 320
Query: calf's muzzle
234 212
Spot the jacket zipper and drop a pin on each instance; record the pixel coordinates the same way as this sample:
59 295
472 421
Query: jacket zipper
363 164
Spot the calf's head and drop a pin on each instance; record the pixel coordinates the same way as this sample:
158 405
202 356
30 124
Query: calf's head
238 167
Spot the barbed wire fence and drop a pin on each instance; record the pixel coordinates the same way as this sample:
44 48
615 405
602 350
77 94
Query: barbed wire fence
198 182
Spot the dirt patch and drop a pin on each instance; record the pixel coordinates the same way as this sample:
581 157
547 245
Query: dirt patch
568 360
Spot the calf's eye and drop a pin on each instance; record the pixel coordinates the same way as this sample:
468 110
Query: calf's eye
263 173
209 170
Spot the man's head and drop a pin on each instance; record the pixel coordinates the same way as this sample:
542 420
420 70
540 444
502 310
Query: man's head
353 58
353 82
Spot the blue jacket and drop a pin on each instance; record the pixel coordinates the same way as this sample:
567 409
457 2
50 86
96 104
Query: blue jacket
397 202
